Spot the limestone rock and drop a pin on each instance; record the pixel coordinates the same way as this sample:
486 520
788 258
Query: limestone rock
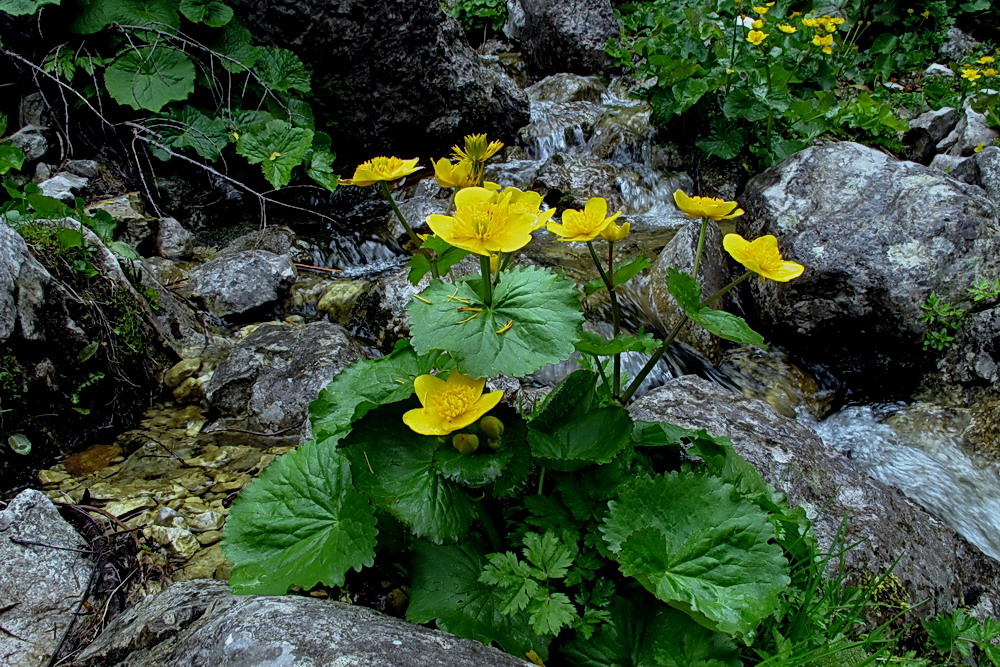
876 236
272 375
970 132
928 129
243 281
42 583
32 142
63 186
172 240
202 623
565 35
935 564
982 169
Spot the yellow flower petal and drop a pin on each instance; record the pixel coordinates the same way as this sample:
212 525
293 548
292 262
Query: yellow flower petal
449 405
584 225
458 175
615 232
381 168
706 207
762 257
484 222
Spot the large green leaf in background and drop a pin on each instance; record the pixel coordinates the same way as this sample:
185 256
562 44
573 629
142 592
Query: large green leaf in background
446 587
282 70
24 7
95 15
11 157
149 77
189 128
396 468
278 149
210 12
364 386
300 523
235 44
686 539
541 308
686 290
645 634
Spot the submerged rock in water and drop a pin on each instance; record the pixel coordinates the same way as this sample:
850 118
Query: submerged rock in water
202 623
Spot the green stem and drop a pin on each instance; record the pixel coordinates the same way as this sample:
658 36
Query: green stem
701 246
615 309
665 345
486 521
600 369
541 480
484 267
432 260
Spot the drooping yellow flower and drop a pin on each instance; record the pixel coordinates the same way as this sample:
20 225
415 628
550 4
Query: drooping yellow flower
483 223
758 24
476 148
762 257
755 37
761 10
971 73
986 60
615 232
706 207
381 169
788 29
454 175
584 225
449 405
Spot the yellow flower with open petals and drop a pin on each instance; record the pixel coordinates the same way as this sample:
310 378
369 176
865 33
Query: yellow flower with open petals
528 202
757 25
971 74
476 148
584 225
484 223
615 232
989 71
706 207
761 10
755 37
926 14
787 29
381 169
762 257
454 175
449 405
986 60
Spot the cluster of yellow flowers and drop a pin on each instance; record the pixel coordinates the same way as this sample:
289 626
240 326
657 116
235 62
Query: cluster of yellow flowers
971 72
489 220
823 23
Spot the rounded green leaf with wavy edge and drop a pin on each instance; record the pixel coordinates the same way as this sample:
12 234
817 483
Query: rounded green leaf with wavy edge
687 541
278 148
149 77
24 7
534 320
592 437
300 523
95 15
210 12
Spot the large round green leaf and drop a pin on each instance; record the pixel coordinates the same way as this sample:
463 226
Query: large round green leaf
149 77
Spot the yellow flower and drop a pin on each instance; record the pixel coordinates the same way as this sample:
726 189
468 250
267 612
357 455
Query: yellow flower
529 202
926 14
761 10
989 71
979 148
615 232
909 11
476 148
762 257
789 29
755 37
381 169
457 175
483 223
970 73
706 207
809 22
986 60
825 40
584 225
757 25
449 405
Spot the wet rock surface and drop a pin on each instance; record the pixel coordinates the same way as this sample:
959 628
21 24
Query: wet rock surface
241 282
564 35
203 623
876 236
934 563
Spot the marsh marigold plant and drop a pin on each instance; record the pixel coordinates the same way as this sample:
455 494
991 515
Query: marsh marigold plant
449 405
585 225
762 257
381 168
484 223
706 207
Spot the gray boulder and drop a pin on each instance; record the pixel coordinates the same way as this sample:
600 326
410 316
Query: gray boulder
236 283
400 76
32 142
202 623
46 575
64 186
970 132
982 169
928 129
172 239
935 564
271 376
563 35
876 236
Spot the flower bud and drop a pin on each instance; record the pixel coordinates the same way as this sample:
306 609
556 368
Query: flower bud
465 443
491 426
495 444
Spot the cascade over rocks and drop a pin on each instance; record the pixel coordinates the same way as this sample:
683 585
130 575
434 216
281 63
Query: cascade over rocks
202 623
876 236
935 563
563 35
399 75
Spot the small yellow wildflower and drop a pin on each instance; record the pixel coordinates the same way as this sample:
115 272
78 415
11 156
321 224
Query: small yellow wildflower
809 22
926 14
986 60
761 10
757 25
529 203
449 405
584 225
909 10
971 73
381 169
476 148
615 232
762 257
706 207
755 37
825 41
989 71
794 14
788 29
458 175
484 223
979 148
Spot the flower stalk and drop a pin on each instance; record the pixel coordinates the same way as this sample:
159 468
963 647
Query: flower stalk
409 230
615 309
484 267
